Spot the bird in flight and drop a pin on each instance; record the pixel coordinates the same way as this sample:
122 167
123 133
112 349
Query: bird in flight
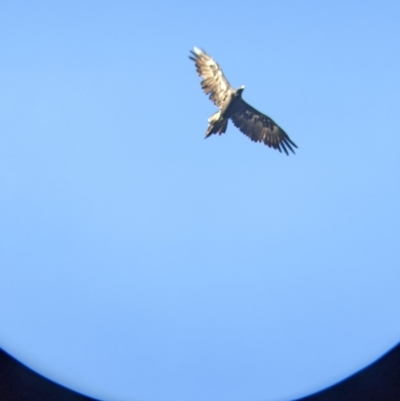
257 126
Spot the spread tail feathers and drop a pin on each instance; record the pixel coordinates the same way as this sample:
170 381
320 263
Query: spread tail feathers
216 125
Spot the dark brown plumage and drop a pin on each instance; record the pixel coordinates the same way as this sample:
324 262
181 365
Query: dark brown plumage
257 126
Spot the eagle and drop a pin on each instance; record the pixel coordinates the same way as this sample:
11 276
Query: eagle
257 126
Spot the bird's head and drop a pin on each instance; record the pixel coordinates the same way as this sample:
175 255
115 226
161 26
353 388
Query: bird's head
239 91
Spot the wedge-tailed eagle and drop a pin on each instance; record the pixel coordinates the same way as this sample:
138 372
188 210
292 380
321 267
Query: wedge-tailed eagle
257 126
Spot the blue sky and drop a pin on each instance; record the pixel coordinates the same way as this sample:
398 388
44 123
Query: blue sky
140 261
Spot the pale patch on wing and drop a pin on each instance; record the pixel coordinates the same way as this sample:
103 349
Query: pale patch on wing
214 82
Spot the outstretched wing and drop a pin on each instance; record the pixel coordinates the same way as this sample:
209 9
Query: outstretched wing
214 82
260 128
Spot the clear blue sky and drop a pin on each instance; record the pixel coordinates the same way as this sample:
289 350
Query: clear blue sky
142 262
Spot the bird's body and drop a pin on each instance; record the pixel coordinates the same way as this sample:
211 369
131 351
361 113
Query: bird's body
257 126
218 122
